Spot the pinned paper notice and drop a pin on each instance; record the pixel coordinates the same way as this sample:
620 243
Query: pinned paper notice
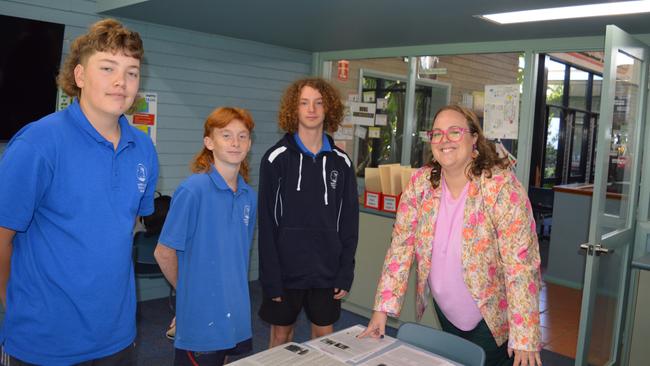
374 132
362 113
347 113
344 133
382 103
354 97
369 96
381 119
424 136
360 132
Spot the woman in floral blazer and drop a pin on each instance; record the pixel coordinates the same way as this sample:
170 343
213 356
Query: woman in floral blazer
492 235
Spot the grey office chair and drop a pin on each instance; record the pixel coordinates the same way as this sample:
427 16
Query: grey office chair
443 344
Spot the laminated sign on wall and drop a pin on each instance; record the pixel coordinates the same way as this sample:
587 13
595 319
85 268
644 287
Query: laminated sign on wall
362 113
501 111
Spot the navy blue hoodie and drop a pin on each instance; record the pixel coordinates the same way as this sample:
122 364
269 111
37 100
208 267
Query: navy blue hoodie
308 219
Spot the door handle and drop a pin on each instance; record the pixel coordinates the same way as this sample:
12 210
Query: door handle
597 249
602 250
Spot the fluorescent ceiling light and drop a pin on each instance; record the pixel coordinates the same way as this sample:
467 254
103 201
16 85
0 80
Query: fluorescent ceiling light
570 12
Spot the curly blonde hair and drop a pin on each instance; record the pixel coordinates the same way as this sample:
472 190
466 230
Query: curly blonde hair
220 118
487 158
288 114
106 35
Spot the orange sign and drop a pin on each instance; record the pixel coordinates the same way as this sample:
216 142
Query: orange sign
144 119
343 70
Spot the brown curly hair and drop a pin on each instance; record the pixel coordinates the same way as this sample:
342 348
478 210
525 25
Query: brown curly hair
288 114
220 118
487 157
104 35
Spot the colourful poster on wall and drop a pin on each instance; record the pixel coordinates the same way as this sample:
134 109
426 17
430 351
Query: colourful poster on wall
143 112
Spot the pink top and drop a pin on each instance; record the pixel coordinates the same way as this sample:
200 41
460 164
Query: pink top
446 276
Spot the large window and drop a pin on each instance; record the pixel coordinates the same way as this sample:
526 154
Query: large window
566 119
429 96
400 137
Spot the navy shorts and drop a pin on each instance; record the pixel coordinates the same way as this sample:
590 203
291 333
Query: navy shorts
319 303
184 357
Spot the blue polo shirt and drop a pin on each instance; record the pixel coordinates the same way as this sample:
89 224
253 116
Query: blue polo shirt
325 147
72 199
211 227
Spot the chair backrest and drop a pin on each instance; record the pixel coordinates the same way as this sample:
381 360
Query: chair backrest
144 261
541 198
443 344
154 222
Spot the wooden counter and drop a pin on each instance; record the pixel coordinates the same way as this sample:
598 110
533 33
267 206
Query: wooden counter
583 189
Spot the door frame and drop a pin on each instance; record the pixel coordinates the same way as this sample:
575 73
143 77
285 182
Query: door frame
615 41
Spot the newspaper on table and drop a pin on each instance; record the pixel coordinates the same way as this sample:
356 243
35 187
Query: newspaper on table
345 346
404 355
289 354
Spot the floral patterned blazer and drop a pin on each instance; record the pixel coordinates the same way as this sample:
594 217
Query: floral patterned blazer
500 254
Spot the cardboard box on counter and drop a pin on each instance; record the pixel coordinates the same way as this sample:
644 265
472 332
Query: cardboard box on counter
384 186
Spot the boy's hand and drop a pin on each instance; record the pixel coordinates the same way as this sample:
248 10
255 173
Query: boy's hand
339 293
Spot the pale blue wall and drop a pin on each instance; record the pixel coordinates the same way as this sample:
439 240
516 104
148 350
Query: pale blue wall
192 73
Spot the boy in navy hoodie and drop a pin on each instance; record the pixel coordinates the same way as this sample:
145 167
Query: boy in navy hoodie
308 214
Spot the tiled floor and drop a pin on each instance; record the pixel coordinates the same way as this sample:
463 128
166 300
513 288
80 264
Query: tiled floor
559 316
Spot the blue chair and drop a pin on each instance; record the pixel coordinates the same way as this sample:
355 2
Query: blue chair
144 263
443 344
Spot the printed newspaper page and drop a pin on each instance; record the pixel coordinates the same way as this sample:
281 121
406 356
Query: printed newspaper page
407 356
290 354
345 346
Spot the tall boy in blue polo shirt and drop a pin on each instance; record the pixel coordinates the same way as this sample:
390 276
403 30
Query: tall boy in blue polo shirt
204 246
72 185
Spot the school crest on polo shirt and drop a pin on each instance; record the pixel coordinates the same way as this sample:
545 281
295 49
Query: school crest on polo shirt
247 214
141 175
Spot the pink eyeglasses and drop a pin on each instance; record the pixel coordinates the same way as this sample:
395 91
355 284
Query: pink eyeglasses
453 133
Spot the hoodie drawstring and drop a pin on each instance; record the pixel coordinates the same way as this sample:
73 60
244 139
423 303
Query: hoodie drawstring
325 179
299 174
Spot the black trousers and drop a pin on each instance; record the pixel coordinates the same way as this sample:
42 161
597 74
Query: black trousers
481 335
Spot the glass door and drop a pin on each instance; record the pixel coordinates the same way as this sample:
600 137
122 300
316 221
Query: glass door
613 209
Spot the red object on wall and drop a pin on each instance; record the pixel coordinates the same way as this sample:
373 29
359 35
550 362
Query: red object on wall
343 70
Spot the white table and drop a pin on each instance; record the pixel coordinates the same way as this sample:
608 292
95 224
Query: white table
342 348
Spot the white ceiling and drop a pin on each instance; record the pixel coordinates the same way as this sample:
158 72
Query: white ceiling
326 25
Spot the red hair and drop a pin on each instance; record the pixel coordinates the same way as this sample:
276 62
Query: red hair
220 118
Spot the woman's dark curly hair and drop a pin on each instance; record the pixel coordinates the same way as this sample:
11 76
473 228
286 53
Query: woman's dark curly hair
487 158
288 114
